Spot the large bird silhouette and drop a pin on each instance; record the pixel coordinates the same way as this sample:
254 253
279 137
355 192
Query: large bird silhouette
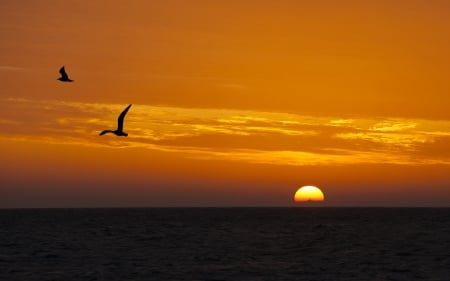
64 77
119 132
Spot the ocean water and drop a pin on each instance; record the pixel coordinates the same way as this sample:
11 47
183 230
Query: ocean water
225 244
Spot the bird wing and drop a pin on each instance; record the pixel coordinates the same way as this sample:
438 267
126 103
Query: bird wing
63 73
105 131
121 117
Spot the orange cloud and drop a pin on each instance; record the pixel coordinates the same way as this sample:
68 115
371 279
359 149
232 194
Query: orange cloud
234 135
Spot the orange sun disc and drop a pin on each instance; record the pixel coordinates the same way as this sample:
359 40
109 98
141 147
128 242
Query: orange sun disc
309 193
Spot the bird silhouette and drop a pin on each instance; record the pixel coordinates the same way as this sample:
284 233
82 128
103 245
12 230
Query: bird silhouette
119 132
64 77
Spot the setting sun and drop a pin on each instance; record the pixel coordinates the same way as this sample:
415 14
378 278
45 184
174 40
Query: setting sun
309 193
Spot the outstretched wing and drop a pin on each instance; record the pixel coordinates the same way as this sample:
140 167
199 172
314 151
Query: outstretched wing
63 73
121 117
105 131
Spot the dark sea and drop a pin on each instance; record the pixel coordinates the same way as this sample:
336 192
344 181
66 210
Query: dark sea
225 244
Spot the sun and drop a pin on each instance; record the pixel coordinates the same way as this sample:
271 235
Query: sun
309 193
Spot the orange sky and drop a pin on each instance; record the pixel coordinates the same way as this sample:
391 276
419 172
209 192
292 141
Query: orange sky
235 103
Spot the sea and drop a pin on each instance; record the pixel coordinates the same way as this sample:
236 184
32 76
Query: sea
225 244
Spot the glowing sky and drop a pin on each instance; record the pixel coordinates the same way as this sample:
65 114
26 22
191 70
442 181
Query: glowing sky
235 103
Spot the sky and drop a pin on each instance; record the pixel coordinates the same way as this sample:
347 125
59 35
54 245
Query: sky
234 103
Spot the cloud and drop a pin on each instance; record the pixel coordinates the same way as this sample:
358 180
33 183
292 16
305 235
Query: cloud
9 68
233 135
340 122
300 158
393 126
233 86
400 140
8 122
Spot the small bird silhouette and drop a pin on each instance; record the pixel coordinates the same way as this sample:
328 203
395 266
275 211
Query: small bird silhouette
64 77
119 132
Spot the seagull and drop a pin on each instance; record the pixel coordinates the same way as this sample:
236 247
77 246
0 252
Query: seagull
119 132
64 77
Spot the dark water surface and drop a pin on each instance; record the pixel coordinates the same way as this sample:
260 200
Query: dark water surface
225 244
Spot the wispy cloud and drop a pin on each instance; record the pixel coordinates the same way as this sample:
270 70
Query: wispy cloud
233 86
9 68
401 140
393 126
232 135
8 122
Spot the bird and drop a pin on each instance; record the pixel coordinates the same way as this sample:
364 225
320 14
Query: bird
64 77
119 132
